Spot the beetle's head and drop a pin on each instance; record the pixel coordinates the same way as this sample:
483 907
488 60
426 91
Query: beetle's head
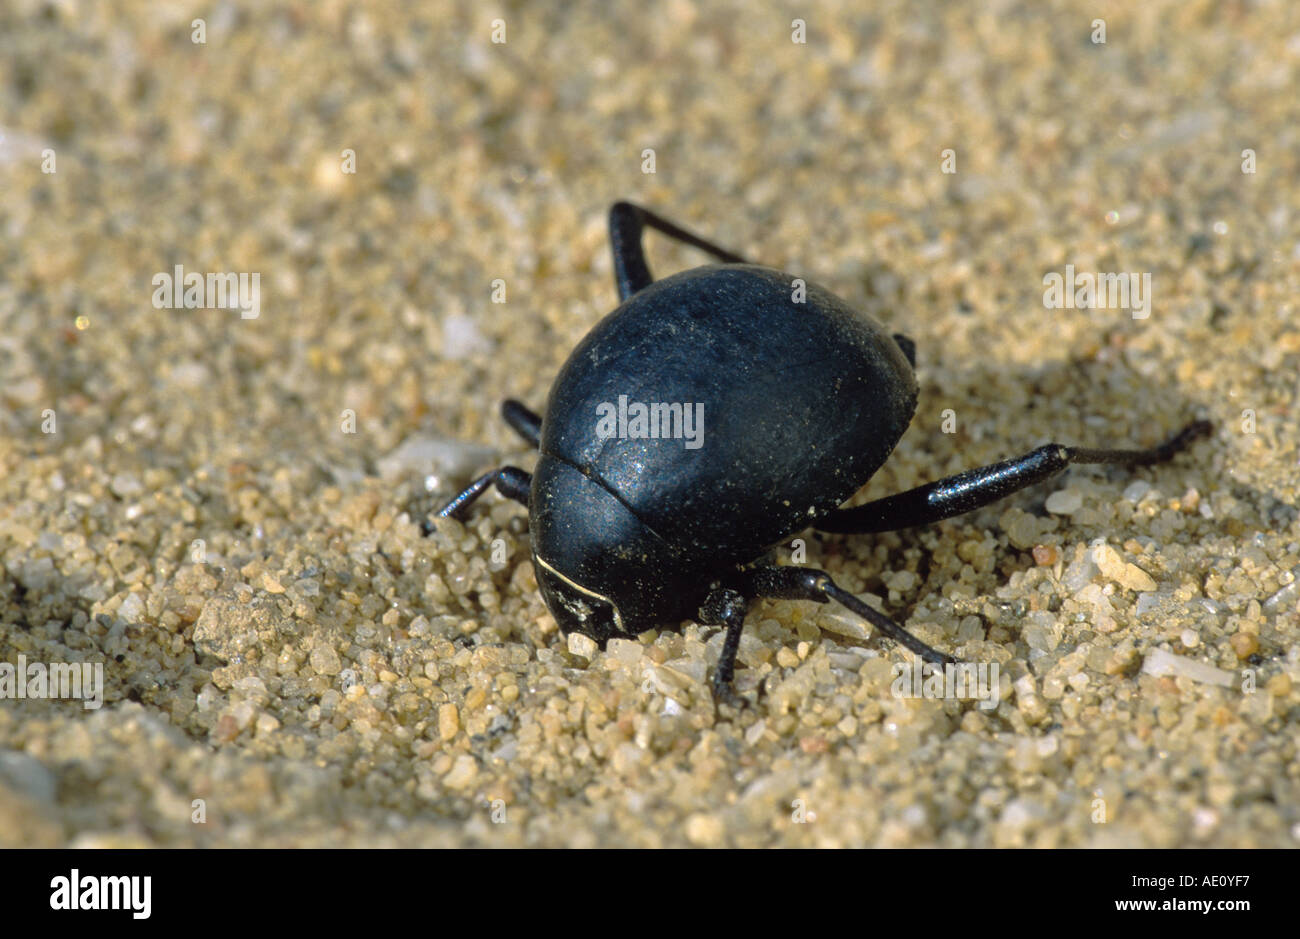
601 571
577 608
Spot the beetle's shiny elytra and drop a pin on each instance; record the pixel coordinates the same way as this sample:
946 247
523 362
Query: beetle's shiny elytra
802 398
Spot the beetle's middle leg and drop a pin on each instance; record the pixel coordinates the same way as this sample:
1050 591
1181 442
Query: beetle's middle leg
626 223
976 488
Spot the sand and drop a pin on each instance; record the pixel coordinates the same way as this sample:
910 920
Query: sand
224 511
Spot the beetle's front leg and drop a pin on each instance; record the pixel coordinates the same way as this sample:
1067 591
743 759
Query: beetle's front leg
807 583
726 607
511 482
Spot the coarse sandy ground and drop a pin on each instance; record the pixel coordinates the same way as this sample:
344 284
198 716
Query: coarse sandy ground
280 642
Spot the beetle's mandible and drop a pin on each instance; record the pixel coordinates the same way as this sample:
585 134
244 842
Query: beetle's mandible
791 401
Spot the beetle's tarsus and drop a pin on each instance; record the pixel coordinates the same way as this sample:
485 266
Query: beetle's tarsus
724 693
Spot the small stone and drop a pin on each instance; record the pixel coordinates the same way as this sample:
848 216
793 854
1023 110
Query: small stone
690 669
226 729
125 486
461 337
243 713
253 688
584 647
228 627
1136 490
271 584
1121 662
27 775
325 660
1064 502
1045 555
448 721
705 831
1080 573
1205 819
626 652
1146 603
814 743
462 774
1244 644
1114 567
423 454
1136 579
1040 631
1161 663
132 608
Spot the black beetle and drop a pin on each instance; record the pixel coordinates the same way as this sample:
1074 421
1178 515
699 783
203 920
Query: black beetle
792 400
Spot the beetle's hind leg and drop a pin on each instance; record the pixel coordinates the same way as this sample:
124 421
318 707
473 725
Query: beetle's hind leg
976 488
511 482
626 224
807 583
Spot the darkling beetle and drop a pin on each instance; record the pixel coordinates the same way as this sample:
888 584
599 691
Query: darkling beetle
802 403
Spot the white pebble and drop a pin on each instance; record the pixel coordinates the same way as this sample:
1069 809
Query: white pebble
132 608
125 485
1064 502
1136 490
461 338
1147 602
1160 663
582 646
